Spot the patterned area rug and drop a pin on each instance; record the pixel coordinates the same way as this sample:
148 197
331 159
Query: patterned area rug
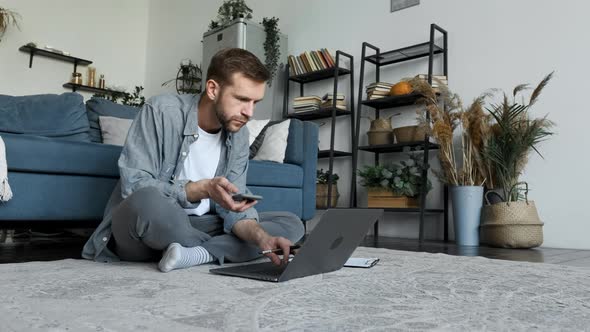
405 291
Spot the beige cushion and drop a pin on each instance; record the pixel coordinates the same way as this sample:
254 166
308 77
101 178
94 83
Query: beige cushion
114 130
275 143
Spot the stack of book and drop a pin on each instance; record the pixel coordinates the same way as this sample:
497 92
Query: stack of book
328 100
378 90
307 104
437 80
311 61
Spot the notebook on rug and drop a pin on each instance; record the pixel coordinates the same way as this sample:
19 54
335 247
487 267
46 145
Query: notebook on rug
326 249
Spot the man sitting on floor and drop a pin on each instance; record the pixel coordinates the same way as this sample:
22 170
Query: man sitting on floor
183 159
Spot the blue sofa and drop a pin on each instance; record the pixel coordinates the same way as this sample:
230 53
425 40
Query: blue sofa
66 179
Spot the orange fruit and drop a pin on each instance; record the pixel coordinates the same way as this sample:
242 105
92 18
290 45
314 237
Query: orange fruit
401 88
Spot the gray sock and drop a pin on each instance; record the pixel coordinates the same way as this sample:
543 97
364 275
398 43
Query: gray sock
179 257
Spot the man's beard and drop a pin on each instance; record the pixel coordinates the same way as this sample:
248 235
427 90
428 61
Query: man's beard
224 120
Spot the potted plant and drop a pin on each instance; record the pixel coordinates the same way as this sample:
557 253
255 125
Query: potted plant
323 179
233 9
7 18
230 10
512 221
394 185
466 173
514 135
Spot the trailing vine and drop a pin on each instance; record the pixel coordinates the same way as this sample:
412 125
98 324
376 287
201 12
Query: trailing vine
272 52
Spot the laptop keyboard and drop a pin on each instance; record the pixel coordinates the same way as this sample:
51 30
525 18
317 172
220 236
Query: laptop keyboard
266 269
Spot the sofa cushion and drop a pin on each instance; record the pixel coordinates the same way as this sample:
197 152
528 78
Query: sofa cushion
101 107
36 154
60 116
274 144
114 130
268 173
295 148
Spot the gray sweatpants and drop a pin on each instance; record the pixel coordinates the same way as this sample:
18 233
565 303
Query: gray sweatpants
147 221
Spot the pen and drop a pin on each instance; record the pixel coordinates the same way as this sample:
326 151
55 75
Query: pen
278 250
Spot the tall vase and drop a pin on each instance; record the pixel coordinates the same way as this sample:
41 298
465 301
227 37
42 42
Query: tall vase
467 202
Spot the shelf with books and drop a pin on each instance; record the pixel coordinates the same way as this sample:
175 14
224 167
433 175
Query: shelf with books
318 75
378 98
316 66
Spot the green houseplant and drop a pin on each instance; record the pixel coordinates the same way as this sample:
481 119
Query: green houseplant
229 11
7 18
323 178
514 135
233 9
395 184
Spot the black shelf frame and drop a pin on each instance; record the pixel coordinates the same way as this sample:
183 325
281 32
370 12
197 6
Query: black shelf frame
333 112
87 88
322 154
323 113
381 59
39 51
397 147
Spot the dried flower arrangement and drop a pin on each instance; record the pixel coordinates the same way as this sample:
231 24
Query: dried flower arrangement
446 114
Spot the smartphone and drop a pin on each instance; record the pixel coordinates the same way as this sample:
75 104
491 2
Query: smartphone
246 197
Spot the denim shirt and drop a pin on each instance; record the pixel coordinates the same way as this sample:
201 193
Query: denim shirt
156 147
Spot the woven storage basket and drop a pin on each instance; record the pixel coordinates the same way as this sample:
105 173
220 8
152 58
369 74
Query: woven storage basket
409 134
321 196
511 224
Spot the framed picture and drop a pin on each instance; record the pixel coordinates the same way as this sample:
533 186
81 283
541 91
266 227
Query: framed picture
403 4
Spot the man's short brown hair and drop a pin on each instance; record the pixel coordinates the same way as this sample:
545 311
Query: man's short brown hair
229 61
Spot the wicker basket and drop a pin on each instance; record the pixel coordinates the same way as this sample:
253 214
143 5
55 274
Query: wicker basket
409 134
380 137
321 196
511 224
512 235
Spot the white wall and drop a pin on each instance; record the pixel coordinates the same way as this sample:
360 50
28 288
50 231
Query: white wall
492 44
111 33
175 33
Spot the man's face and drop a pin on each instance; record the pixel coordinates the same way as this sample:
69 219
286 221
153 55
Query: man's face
235 105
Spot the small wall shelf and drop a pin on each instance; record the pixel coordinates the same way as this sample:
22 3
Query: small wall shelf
39 51
81 87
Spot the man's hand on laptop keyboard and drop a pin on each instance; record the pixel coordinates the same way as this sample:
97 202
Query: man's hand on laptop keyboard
269 243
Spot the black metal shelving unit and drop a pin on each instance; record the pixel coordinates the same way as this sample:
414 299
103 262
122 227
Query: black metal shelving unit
325 113
381 59
67 58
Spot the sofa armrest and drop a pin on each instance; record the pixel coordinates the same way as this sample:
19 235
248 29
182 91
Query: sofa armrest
302 150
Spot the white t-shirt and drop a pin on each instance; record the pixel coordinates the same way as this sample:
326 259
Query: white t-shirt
201 163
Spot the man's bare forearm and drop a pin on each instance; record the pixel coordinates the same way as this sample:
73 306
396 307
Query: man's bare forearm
250 231
196 191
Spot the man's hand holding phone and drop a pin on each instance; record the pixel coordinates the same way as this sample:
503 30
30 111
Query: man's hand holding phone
221 191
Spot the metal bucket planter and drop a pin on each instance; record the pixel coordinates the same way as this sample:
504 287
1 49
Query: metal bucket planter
467 202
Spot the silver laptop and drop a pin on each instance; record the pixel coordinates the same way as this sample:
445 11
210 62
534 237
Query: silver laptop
326 249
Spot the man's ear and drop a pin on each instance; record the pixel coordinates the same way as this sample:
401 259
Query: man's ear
213 89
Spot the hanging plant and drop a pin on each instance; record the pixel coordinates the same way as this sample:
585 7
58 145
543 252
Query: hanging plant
229 11
7 18
272 52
